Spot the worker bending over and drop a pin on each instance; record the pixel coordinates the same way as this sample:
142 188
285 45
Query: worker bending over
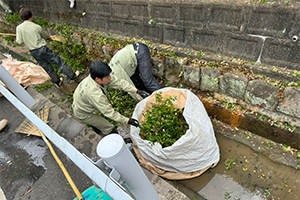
133 64
34 38
90 97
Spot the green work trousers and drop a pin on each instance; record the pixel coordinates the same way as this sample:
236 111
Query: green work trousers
95 120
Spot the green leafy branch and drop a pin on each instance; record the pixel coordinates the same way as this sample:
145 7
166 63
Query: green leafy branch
163 123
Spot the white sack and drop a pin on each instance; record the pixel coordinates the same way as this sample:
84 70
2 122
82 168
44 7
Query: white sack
194 151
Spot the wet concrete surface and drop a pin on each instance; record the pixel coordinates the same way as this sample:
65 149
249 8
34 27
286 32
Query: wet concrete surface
31 168
27 168
11 156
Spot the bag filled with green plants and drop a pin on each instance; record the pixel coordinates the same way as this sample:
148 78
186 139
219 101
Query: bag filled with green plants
176 139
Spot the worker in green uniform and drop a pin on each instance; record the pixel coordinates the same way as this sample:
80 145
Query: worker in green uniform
90 97
133 64
34 38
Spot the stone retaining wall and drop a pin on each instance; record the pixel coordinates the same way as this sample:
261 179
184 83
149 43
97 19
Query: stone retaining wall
259 32
263 97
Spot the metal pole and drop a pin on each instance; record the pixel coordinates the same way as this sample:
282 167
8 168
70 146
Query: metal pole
114 152
91 170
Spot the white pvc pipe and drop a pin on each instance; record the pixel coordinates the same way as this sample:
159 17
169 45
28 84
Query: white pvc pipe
91 170
15 87
114 152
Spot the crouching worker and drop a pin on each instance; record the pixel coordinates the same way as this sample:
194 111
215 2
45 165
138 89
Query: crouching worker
90 97
133 64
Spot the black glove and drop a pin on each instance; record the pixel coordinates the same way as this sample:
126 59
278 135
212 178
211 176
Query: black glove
134 122
143 93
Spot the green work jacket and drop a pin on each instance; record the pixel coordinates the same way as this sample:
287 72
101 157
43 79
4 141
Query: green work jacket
31 35
90 97
123 65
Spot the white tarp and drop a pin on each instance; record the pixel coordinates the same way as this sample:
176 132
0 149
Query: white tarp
195 150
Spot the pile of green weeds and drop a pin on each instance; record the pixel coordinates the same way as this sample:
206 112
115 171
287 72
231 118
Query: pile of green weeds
163 123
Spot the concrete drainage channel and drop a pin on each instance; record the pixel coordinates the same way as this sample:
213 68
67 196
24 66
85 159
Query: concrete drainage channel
250 166
245 172
253 124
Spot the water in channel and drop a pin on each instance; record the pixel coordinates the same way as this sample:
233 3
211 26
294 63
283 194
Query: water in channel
252 176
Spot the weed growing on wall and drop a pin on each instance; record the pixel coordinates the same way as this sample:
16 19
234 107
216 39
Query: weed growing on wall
11 41
13 19
163 123
73 53
42 22
43 87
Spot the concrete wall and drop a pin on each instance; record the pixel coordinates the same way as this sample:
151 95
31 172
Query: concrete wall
261 96
256 32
